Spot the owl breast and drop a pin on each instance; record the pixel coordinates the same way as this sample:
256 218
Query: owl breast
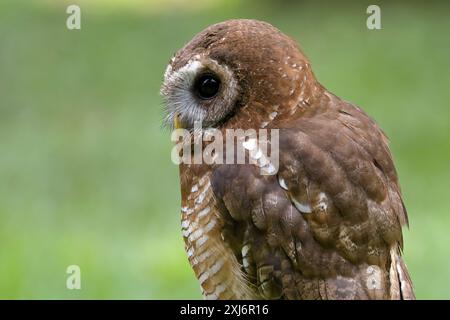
214 263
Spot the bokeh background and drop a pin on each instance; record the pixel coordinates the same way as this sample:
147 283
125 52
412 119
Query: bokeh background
85 170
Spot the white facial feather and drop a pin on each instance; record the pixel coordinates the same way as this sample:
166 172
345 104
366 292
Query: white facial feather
177 90
180 99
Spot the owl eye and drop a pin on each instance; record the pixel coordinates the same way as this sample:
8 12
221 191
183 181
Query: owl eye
207 86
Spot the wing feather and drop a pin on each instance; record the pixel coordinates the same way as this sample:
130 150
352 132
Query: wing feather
326 225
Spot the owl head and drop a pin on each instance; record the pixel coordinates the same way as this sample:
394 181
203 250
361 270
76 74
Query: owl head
237 69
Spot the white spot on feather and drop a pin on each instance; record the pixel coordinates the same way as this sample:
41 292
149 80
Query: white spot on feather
219 289
190 252
245 250
250 144
210 225
204 212
374 279
302 207
203 180
184 224
273 115
195 235
211 296
217 266
202 195
187 210
322 205
204 256
202 240
203 277
269 169
282 183
262 161
245 263
256 154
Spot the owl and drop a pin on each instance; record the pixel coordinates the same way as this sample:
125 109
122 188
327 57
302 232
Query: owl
327 223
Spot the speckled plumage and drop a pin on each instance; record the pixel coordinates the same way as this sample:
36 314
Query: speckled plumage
328 224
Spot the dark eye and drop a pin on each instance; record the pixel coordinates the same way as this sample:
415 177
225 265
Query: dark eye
206 86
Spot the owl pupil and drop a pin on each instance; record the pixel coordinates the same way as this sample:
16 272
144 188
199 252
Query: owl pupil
207 86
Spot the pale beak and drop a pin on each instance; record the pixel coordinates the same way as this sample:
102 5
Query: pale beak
176 122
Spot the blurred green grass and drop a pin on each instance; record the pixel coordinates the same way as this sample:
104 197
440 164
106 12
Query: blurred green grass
85 170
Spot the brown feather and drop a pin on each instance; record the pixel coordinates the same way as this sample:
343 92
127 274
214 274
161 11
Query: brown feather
328 225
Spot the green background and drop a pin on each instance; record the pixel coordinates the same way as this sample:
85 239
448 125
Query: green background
85 170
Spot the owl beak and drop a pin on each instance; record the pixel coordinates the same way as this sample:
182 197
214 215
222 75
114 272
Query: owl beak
177 122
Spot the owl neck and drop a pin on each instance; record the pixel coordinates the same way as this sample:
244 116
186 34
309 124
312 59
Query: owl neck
260 113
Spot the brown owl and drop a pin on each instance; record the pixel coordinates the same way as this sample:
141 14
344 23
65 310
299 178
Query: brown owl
328 223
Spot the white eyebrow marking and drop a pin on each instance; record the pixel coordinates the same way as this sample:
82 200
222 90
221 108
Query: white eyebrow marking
167 72
190 69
